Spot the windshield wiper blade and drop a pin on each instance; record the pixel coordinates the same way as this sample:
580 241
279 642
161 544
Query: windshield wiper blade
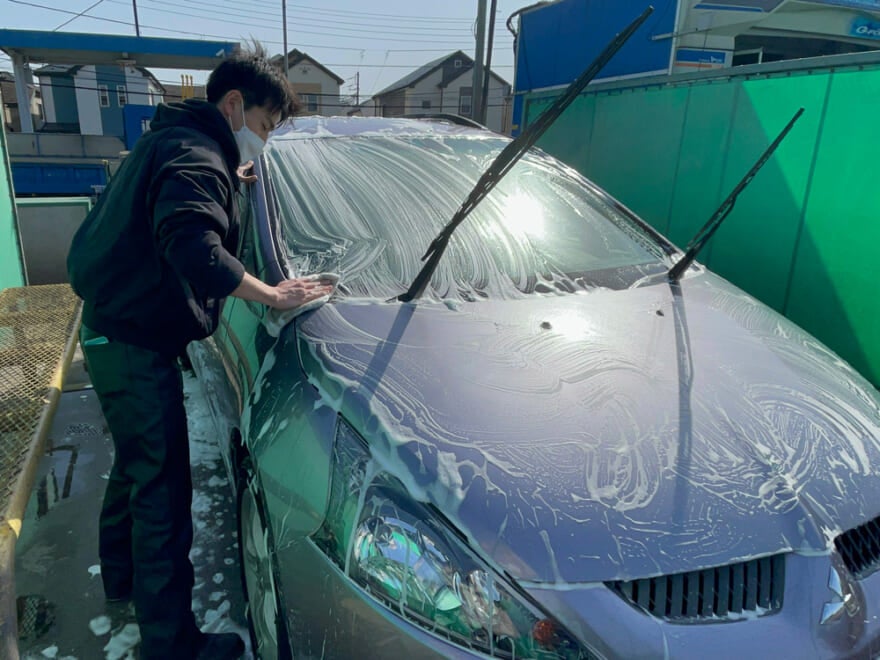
512 153
703 236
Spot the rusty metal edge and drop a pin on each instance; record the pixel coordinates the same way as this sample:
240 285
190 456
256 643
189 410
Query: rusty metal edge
20 496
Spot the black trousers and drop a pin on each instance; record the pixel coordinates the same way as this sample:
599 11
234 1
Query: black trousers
146 521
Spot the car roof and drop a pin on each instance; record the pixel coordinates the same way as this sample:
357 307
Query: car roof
303 128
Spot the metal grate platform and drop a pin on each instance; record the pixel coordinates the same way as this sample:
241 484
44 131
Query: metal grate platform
37 324
37 337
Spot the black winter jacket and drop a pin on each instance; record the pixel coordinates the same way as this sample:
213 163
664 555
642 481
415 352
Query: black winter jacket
153 261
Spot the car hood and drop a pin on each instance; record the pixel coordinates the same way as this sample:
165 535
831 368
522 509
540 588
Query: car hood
609 435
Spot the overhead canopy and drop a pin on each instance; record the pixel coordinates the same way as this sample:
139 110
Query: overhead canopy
81 48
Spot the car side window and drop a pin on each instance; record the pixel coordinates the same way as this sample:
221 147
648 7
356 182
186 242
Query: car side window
248 247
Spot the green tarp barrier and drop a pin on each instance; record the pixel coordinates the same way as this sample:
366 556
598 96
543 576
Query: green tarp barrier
804 236
11 272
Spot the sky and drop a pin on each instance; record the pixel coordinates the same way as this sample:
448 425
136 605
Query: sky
382 40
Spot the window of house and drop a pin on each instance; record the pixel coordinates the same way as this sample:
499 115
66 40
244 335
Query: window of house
104 96
145 125
426 105
457 64
311 102
464 102
121 95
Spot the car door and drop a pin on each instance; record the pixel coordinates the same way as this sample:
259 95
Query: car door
243 337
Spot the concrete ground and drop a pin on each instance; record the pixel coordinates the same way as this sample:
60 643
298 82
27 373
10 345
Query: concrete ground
62 613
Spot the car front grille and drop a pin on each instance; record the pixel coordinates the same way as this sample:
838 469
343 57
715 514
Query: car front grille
724 592
860 548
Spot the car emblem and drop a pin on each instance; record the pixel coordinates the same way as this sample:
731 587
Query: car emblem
833 609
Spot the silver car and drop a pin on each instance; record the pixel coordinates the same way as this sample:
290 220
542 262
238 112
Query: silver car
554 453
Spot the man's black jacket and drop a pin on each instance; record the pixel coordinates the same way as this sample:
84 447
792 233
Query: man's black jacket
153 261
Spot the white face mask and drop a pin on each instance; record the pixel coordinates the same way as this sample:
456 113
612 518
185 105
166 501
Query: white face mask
250 145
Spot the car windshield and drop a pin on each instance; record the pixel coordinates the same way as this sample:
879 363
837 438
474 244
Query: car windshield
367 208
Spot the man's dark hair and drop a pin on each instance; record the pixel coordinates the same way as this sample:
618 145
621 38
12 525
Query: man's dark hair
261 83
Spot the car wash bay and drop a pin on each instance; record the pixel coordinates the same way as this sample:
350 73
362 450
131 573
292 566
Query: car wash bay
803 239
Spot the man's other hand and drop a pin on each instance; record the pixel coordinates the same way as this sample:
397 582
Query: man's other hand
246 172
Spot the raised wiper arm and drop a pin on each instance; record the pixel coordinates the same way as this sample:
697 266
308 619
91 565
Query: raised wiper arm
511 154
726 207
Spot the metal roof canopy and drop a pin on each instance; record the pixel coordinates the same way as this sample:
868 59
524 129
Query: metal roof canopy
83 48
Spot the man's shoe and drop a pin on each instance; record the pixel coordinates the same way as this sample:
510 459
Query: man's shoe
114 599
118 595
117 590
220 646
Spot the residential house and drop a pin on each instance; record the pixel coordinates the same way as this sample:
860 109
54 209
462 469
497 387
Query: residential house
9 114
317 86
445 86
98 100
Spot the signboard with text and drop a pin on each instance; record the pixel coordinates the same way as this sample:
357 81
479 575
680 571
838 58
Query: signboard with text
870 5
865 28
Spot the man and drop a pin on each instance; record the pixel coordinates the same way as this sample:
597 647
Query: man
153 263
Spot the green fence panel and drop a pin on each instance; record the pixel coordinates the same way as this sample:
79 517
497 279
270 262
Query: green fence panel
572 133
697 188
835 283
755 246
805 236
11 272
646 179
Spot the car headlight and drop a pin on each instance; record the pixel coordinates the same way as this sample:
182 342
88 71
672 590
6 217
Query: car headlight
404 555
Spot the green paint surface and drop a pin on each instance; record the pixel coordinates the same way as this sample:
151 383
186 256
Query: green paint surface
645 181
834 288
11 273
755 245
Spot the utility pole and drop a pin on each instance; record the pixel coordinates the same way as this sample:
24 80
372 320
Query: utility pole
484 107
477 85
284 24
357 89
137 27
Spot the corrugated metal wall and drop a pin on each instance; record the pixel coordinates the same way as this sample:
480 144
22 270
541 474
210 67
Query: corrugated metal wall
805 236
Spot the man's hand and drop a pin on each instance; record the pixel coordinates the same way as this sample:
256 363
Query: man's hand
243 170
287 295
296 292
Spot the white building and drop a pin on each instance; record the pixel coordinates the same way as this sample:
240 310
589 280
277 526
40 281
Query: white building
90 100
713 35
316 85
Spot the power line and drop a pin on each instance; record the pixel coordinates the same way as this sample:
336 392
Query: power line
340 34
131 91
314 20
191 34
71 20
337 12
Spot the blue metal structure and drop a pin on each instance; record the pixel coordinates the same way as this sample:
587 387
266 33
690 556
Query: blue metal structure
57 178
78 173
136 120
557 41
82 48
